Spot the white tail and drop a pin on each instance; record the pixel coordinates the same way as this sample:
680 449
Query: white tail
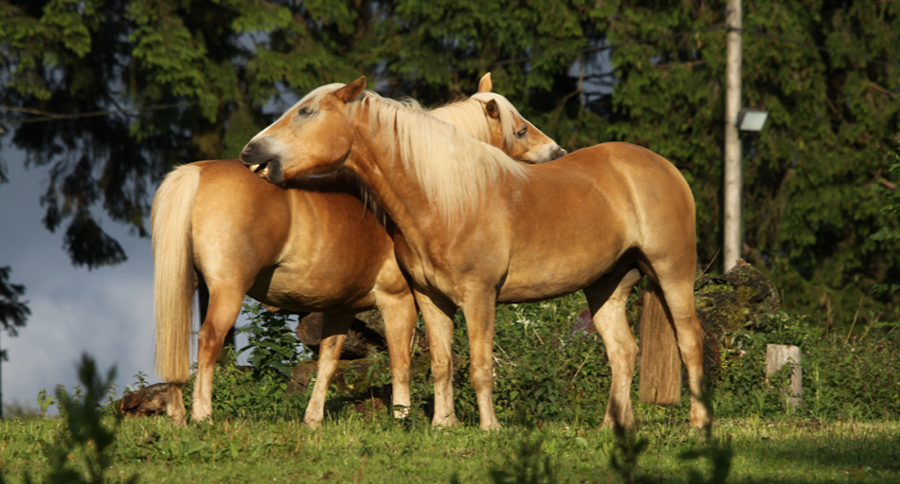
173 272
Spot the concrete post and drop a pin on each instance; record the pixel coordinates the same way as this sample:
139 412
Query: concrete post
779 355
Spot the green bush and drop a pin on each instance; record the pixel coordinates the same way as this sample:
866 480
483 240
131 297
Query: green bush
271 341
260 391
547 370
843 376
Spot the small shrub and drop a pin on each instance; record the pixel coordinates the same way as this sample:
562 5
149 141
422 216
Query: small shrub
530 465
83 432
245 393
271 341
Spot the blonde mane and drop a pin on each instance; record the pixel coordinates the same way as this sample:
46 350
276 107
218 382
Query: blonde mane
453 169
468 116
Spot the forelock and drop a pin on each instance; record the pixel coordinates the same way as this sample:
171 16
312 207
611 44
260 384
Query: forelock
508 114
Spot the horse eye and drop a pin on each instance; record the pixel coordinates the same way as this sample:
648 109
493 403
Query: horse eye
522 132
304 111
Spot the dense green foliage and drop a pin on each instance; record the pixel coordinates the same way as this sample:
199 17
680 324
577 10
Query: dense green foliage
109 94
85 432
13 311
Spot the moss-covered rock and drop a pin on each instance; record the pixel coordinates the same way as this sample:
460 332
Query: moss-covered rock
735 300
738 300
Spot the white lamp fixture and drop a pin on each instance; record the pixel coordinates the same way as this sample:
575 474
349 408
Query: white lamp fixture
752 119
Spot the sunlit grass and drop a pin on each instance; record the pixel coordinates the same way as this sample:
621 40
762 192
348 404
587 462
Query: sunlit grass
358 449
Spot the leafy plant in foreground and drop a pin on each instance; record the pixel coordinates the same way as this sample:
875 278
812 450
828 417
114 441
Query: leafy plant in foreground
530 465
272 344
83 432
623 459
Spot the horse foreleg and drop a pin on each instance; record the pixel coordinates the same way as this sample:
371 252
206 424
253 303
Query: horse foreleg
334 333
607 299
438 317
480 312
224 307
399 313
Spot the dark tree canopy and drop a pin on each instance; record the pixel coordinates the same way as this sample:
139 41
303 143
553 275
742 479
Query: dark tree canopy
13 312
108 95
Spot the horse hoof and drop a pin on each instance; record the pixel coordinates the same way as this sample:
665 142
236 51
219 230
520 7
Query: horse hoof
448 422
491 426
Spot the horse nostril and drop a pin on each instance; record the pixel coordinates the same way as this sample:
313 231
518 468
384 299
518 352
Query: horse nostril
247 152
559 153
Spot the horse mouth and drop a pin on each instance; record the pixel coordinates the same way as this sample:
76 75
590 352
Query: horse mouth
261 169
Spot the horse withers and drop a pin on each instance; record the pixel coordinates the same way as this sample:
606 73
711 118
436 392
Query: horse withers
476 229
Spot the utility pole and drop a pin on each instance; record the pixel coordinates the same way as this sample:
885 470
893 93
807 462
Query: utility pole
1 377
732 249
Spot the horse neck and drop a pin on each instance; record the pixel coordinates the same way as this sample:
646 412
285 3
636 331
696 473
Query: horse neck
397 190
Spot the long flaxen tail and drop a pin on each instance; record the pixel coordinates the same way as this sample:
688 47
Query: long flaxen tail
173 272
660 375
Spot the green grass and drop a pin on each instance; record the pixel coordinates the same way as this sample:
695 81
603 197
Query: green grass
352 448
550 395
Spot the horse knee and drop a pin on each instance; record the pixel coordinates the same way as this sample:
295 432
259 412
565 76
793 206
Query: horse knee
482 377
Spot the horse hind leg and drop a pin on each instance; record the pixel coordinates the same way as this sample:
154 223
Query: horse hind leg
175 404
334 333
224 306
678 293
607 299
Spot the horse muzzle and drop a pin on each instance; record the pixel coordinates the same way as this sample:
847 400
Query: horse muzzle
258 156
559 153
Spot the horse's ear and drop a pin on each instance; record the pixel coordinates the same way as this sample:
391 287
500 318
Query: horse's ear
493 110
485 84
351 90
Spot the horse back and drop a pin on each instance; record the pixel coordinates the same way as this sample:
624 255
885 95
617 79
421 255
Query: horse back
621 187
592 212
301 248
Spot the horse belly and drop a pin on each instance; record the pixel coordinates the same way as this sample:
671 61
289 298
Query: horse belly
313 289
556 274
558 253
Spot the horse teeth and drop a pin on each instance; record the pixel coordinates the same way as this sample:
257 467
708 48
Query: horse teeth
261 169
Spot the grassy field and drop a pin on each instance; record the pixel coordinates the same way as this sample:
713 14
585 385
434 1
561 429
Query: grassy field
550 395
353 448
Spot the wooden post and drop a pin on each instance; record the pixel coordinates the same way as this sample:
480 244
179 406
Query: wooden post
779 355
732 242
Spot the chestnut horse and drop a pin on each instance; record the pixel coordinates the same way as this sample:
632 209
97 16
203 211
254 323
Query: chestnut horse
310 249
476 229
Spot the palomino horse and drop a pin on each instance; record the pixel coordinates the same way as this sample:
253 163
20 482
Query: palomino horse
476 229
313 249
